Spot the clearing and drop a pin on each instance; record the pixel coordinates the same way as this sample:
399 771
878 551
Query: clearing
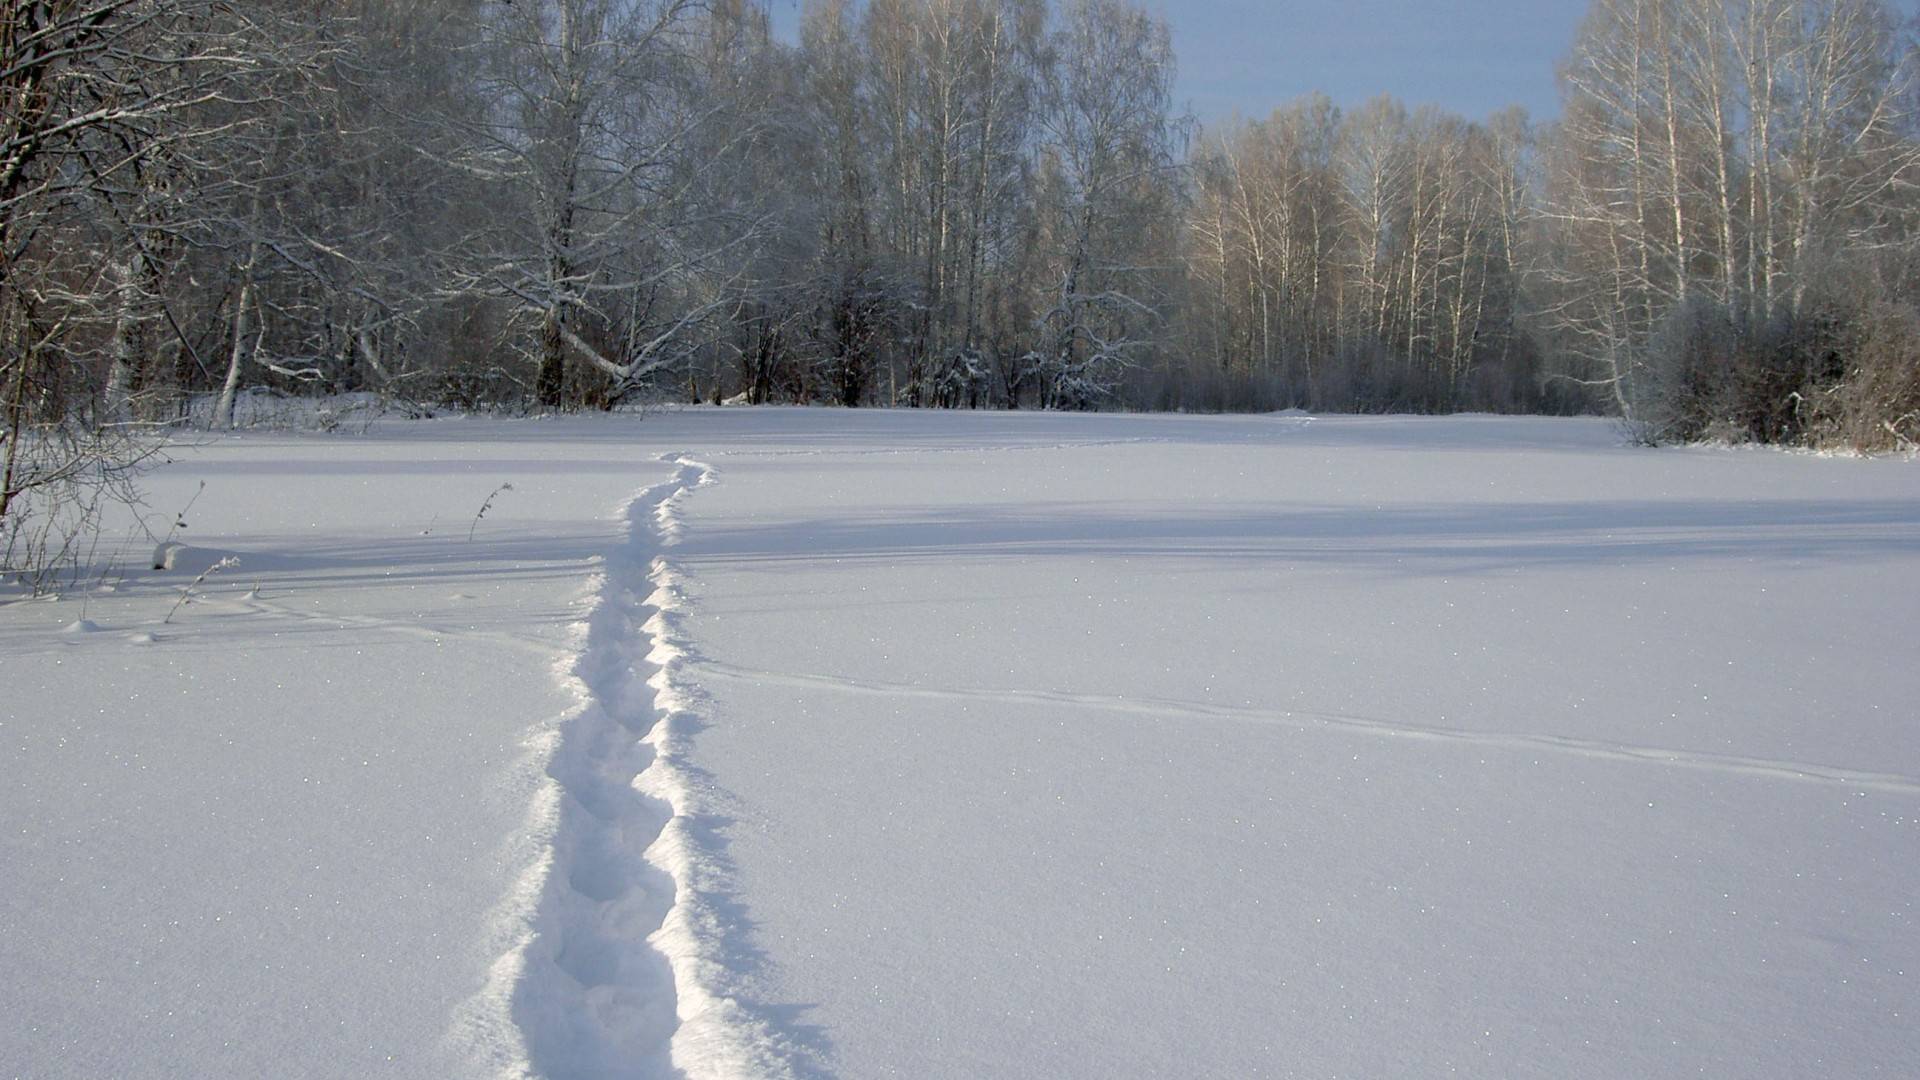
856 744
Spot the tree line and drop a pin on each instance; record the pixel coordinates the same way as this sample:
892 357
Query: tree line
934 203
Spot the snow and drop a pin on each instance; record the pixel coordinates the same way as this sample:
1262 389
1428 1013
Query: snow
792 742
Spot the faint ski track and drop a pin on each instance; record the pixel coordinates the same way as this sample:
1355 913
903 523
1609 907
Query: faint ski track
1312 718
609 966
984 448
1287 424
437 634
249 602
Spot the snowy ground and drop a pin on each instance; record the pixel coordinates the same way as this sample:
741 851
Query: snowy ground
822 743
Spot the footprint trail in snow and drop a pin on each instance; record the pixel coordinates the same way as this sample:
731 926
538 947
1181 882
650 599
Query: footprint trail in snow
613 970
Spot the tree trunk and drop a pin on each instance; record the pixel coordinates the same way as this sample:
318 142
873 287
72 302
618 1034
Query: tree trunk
127 347
223 412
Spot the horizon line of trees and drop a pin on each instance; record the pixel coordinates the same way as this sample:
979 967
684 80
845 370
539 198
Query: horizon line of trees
934 203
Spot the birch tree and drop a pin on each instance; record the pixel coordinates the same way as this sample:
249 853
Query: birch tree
591 109
1107 153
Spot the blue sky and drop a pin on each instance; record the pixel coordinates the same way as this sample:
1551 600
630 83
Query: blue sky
1471 56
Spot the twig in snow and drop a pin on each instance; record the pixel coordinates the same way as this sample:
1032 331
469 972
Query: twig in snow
162 556
180 519
484 507
186 593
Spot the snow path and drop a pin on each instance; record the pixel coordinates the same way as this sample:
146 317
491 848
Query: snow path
612 975
1307 717
718 1037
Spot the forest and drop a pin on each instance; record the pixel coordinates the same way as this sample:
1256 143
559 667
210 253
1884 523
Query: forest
575 204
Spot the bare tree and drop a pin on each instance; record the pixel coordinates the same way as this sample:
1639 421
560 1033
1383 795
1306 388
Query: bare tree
591 107
1106 145
108 103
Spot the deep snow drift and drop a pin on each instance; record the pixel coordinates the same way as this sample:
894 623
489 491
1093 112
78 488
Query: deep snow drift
811 742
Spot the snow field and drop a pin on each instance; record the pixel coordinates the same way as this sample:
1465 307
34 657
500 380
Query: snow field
290 832
746 743
1342 748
